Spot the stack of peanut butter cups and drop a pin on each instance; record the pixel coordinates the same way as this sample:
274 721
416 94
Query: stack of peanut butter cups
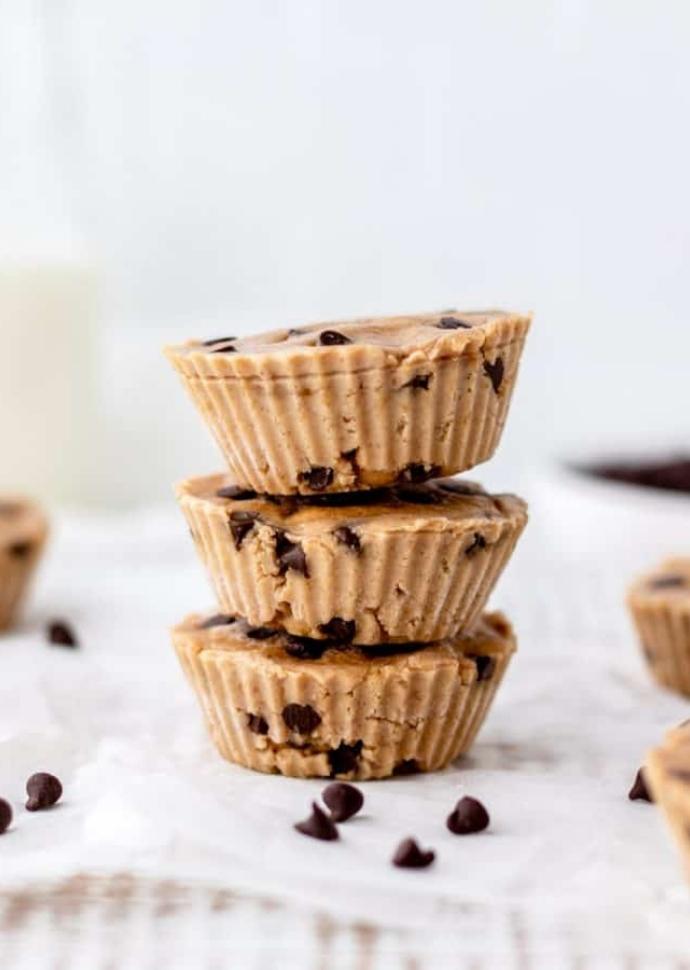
351 572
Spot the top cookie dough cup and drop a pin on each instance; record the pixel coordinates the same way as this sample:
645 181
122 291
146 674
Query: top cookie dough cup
403 399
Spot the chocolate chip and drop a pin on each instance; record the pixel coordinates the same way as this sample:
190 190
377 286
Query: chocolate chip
338 629
5 815
407 767
419 382
485 666
318 477
417 495
218 340
301 718
344 759
236 492
639 791
494 372
681 774
290 555
241 524
343 800
61 633
329 338
668 582
453 323
226 349
260 632
408 855
43 790
257 724
20 550
417 472
478 542
467 817
305 648
218 619
318 825
348 537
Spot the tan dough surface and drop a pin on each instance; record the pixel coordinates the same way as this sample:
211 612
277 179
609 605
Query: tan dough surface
660 606
23 531
407 563
406 399
346 711
668 771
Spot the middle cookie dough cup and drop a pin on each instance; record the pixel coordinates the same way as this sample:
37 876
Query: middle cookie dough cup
346 713
415 563
659 603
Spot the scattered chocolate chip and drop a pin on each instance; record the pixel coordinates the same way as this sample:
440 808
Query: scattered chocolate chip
257 724
20 550
681 774
407 767
467 817
344 759
417 495
62 634
236 492
218 340
485 666
417 472
329 338
241 524
453 323
478 542
305 648
301 718
348 537
343 800
218 619
494 372
408 855
43 790
318 477
290 555
318 825
260 632
5 815
338 629
668 582
639 791
419 382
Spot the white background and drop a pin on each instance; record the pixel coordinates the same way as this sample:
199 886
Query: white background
234 165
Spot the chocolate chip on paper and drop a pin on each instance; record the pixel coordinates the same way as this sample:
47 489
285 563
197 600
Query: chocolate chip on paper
318 825
61 633
468 816
343 800
44 790
408 855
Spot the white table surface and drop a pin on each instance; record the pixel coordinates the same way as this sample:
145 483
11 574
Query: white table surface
162 854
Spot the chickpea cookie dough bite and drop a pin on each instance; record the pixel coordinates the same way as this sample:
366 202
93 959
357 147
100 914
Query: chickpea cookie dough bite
23 532
405 563
315 708
659 603
358 404
668 771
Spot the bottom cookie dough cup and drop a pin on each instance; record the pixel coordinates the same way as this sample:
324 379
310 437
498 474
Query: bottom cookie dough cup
23 532
660 606
408 563
314 708
668 774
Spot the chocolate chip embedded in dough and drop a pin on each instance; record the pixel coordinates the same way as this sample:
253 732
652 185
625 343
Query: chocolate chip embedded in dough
407 767
301 718
453 323
257 724
5 815
343 800
44 790
330 338
639 791
318 825
218 340
318 477
468 816
494 372
668 582
236 492
290 555
408 855
419 382
305 648
417 472
681 774
348 537
218 619
485 666
344 759
351 457
417 496
478 542
338 629
241 524
20 550
260 632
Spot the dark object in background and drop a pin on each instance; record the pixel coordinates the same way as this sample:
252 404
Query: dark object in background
62 634
44 790
5 815
672 474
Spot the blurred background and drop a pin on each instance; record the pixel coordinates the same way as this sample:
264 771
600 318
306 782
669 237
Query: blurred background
180 169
